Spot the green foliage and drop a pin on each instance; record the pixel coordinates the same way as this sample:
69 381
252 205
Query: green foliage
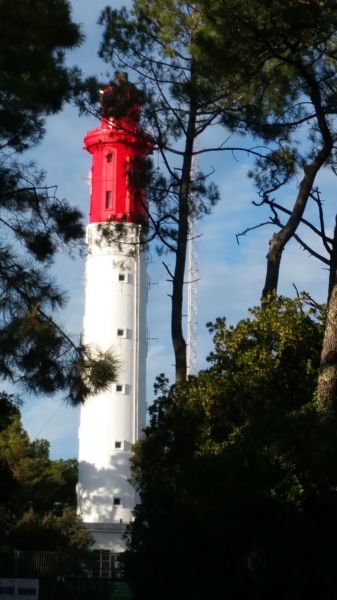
38 495
280 57
63 532
34 79
278 349
35 224
236 471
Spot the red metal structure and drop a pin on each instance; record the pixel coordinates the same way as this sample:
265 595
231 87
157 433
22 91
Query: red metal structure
119 148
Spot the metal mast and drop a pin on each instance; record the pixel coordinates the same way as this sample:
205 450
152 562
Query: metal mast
192 299
192 285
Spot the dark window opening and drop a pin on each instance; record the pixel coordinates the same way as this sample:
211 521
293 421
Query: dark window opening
119 387
118 444
121 277
120 332
109 158
117 502
108 200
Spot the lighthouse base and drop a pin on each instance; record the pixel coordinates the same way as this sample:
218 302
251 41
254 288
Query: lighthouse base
108 536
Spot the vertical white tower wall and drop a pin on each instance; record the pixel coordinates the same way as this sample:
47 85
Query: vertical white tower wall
115 320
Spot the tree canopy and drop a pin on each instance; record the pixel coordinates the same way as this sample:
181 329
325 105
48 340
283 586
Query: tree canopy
38 495
34 79
294 46
35 224
284 55
236 470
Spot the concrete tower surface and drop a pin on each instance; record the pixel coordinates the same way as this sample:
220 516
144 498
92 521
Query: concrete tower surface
115 314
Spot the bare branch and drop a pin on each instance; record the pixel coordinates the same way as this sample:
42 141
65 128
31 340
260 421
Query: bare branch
315 195
304 221
305 246
242 233
169 271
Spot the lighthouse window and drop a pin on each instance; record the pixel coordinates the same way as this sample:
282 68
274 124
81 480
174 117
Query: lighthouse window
117 501
121 277
120 332
108 200
118 445
109 158
119 388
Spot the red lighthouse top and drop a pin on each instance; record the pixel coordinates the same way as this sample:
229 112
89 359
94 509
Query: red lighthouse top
118 148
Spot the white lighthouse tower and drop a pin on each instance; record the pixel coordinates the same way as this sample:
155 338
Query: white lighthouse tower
115 316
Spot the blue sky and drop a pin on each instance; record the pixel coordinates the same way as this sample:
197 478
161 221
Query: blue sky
231 277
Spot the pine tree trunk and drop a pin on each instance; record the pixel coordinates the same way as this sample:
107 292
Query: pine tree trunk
274 257
280 239
327 380
178 340
333 264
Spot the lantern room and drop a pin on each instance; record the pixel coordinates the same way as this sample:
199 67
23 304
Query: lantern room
119 149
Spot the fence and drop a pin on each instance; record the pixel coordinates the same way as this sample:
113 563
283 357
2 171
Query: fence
64 576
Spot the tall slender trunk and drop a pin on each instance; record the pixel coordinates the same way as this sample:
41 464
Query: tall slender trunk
178 340
280 239
333 263
327 380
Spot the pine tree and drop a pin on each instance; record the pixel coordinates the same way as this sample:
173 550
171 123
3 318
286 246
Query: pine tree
152 42
294 44
35 82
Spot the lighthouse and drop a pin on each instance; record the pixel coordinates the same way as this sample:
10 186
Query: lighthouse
115 313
